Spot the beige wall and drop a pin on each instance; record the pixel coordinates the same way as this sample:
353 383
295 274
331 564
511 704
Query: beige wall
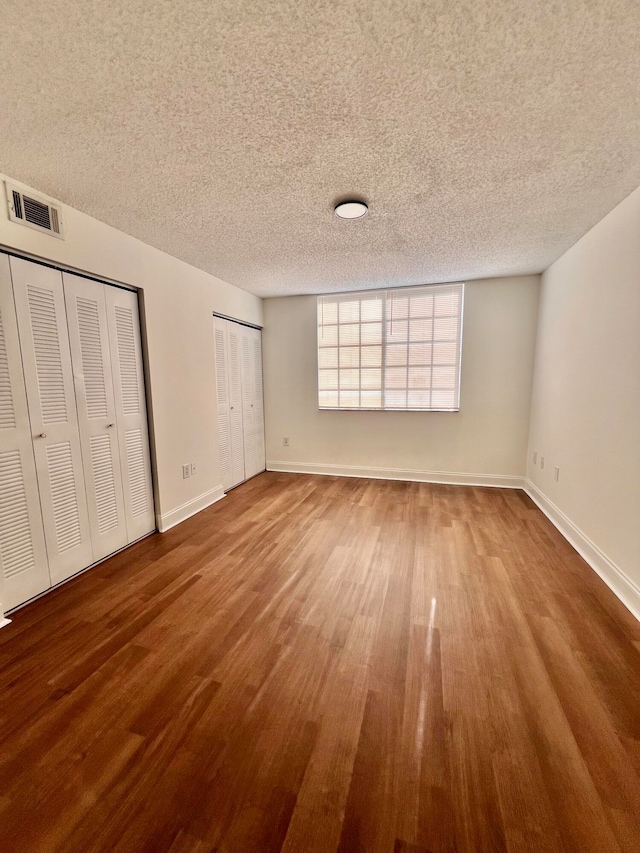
585 414
487 437
178 304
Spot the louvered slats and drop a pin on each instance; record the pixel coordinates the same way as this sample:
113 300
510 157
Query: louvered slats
7 413
64 495
225 448
16 547
104 482
128 360
46 345
221 367
137 472
92 359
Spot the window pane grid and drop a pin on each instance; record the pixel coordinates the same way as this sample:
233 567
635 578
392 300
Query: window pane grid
397 349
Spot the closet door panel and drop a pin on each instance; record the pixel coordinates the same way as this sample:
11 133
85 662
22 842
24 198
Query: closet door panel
24 569
222 395
258 400
234 351
91 360
131 414
248 403
53 417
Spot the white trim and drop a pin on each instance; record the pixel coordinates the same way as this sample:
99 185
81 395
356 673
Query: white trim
617 581
499 481
186 510
4 622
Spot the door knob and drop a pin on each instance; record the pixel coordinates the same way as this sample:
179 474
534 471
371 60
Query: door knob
42 435
110 425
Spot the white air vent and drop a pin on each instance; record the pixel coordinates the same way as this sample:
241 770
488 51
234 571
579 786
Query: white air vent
32 210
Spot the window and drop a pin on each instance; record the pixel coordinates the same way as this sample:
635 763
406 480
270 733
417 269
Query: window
391 349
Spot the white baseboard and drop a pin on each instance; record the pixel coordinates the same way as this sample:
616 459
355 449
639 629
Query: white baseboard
4 622
623 587
445 477
186 510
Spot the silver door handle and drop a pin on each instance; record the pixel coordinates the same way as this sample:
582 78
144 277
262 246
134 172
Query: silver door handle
110 425
42 435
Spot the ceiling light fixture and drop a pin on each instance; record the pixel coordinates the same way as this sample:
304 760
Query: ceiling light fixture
351 209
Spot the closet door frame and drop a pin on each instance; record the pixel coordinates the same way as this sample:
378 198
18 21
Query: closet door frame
60 574
248 409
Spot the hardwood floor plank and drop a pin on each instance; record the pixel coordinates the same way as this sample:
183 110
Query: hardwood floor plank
327 665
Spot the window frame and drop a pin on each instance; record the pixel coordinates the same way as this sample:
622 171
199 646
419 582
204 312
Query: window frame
384 294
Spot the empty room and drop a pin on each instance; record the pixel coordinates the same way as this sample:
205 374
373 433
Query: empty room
320 426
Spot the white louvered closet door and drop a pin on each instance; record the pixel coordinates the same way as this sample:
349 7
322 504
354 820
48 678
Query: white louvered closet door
234 352
222 395
91 360
131 413
251 467
24 568
53 417
258 400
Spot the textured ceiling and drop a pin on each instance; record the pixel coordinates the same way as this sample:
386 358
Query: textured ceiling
487 135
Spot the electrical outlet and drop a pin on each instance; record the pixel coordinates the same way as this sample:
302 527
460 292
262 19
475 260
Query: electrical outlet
285 441
542 461
535 456
193 468
556 473
186 471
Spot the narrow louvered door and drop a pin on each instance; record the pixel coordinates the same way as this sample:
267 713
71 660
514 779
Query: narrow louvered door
24 568
131 412
53 417
258 400
222 396
91 360
234 351
248 403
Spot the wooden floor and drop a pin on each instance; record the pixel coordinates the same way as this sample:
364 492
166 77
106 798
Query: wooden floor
318 664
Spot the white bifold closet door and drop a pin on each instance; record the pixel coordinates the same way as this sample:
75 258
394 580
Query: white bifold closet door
92 374
229 394
75 472
234 364
46 358
131 411
252 401
259 400
24 569
224 407
238 357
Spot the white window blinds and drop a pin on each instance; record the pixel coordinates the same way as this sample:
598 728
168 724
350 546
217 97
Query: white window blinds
391 349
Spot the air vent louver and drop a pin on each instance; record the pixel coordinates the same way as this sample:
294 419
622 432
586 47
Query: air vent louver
17 204
34 212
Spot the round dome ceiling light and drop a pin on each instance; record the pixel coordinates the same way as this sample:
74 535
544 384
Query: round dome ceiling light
351 209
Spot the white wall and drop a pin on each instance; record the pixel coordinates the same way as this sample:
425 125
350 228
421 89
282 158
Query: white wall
484 442
585 415
178 304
